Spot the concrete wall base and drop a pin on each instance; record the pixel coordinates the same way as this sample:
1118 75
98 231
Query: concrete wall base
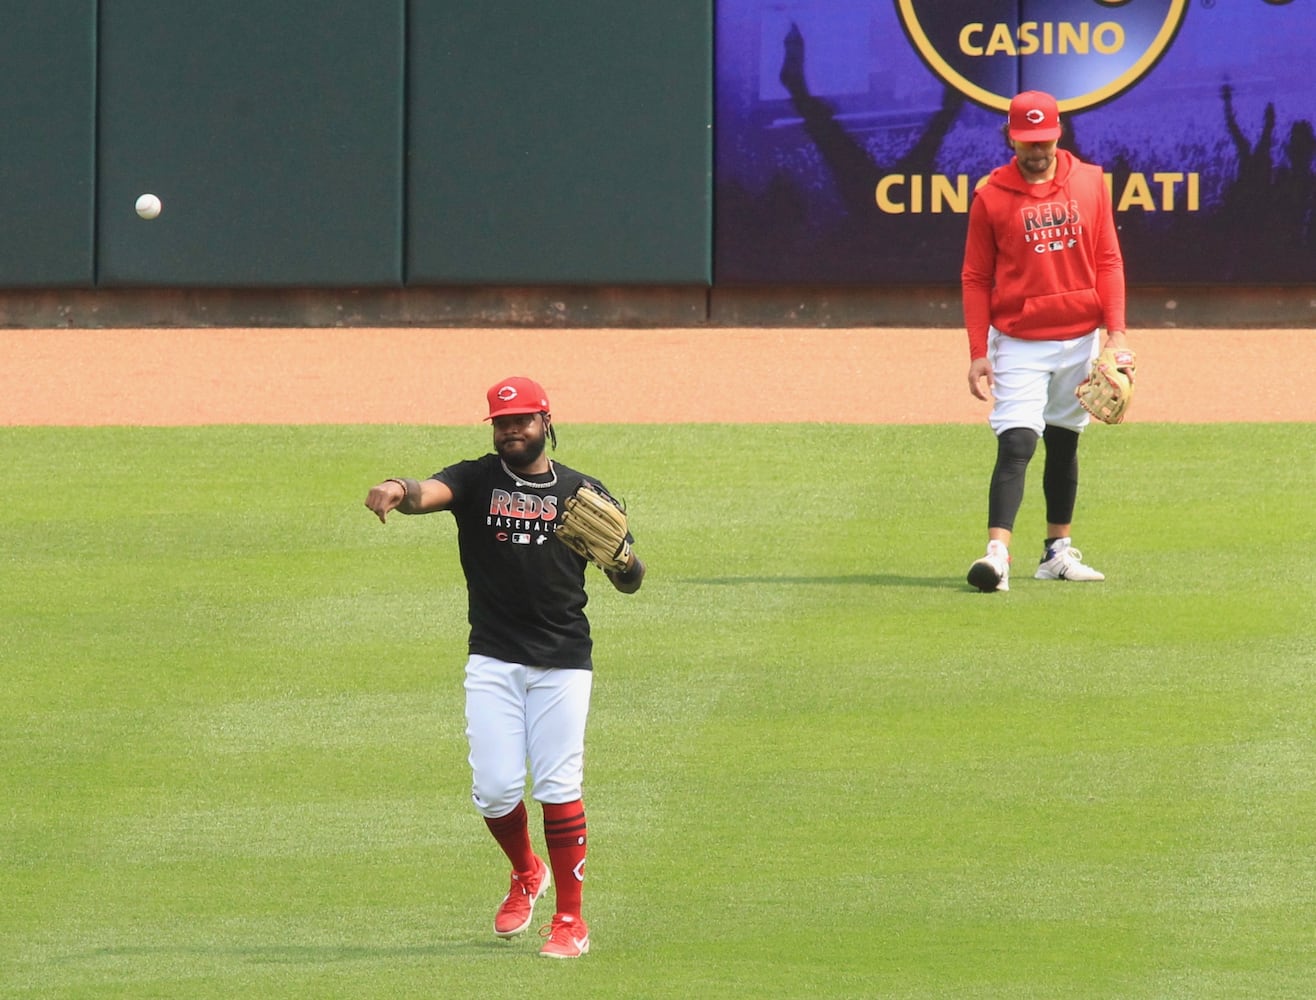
1272 307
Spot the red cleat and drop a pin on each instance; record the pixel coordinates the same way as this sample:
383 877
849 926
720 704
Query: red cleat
568 937
518 908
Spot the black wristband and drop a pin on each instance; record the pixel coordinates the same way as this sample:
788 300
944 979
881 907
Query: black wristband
631 574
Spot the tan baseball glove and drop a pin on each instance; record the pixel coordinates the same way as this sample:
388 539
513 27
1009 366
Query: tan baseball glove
594 526
1108 389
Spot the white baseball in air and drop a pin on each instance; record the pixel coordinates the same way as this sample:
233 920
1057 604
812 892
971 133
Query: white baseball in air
148 206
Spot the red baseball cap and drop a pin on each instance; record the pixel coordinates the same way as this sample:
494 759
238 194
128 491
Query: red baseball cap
516 395
1034 117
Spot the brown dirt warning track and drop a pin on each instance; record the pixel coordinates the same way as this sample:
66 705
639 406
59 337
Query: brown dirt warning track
182 377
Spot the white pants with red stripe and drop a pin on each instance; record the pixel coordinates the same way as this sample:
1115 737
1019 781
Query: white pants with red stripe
516 714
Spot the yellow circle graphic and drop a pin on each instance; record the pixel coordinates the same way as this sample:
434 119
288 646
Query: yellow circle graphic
1001 102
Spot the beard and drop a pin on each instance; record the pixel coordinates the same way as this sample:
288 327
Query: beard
1035 165
519 454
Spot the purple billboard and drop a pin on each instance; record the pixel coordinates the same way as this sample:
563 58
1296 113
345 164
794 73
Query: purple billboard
851 134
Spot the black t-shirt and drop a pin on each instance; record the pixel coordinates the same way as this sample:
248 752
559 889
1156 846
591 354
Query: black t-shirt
525 591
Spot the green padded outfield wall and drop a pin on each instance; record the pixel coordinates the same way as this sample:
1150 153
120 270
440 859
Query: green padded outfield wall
352 143
271 131
559 143
47 143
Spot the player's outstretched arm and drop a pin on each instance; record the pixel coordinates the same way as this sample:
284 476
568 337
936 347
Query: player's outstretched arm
408 496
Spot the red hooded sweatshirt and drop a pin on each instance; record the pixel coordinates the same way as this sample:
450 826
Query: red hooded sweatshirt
1042 261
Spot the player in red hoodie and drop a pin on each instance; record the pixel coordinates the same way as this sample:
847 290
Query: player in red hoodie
1043 276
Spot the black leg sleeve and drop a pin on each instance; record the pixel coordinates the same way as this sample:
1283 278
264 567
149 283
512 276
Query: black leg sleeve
1014 450
1060 474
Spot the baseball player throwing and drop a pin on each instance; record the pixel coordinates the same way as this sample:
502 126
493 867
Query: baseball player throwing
529 669
1043 274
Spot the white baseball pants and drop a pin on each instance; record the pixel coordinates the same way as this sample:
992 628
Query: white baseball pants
517 714
1036 379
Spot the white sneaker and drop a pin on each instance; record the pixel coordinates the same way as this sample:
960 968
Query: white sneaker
1064 562
992 571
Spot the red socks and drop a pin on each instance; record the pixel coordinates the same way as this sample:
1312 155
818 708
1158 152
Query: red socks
513 835
564 831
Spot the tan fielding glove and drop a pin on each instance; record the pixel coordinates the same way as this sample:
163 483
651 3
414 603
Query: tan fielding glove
1108 389
594 526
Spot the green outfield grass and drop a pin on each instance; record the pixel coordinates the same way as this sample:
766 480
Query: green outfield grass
232 761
